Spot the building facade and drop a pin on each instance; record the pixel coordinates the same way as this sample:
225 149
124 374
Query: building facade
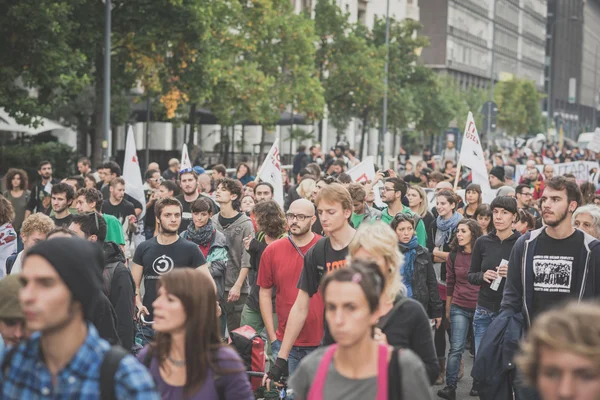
464 41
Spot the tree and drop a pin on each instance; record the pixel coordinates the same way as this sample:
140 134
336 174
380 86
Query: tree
518 107
433 99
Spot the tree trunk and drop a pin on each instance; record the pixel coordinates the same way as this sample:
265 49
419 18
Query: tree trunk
320 131
82 134
261 146
243 138
192 122
224 146
363 134
394 136
98 132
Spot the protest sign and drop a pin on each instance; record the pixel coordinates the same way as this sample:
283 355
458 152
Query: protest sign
581 169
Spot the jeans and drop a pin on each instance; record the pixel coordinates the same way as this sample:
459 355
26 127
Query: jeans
481 320
460 319
296 354
254 319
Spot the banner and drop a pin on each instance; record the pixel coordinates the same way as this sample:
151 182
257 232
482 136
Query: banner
185 165
365 171
132 173
473 157
581 170
270 172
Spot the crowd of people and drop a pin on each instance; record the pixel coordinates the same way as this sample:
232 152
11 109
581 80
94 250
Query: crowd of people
103 296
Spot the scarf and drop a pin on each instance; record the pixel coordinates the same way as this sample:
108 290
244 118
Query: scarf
410 254
447 226
200 236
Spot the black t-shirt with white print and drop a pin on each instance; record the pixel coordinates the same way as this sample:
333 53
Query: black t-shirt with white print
316 266
158 259
556 266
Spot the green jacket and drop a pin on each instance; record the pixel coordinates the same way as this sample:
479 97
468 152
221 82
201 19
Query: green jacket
421 232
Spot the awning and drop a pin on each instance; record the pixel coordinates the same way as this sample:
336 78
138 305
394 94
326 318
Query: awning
8 124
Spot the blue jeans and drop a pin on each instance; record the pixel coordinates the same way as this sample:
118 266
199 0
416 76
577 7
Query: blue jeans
296 354
481 320
460 319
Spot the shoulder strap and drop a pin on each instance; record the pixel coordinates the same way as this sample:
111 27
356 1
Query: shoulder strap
110 365
383 321
395 376
453 258
318 384
320 253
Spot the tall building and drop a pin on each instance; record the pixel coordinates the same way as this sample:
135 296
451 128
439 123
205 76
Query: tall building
572 78
461 33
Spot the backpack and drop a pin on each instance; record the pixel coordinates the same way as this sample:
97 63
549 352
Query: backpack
108 369
319 255
251 348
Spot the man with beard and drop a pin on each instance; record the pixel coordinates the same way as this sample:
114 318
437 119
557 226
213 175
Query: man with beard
62 198
524 197
40 200
162 253
263 191
571 255
280 268
189 194
116 205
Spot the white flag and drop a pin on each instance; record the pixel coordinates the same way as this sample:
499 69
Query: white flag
365 171
472 156
132 174
186 165
270 172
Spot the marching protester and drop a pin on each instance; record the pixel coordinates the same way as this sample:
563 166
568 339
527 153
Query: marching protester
362 212
8 236
419 204
62 197
165 189
587 218
473 200
12 321
524 223
35 228
404 322
189 193
18 194
90 200
524 196
63 357
357 366
40 201
484 216
187 358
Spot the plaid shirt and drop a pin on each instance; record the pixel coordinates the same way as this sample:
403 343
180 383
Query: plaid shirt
28 377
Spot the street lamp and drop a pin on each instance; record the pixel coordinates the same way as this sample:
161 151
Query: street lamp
550 108
385 86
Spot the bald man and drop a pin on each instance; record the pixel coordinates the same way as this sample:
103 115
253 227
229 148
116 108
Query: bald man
204 183
172 173
154 166
280 268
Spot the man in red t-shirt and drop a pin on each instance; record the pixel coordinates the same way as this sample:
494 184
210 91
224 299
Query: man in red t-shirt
280 267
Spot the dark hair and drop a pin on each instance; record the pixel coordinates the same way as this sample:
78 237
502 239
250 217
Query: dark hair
84 161
92 196
113 167
197 295
167 201
60 229
475 229
301 148
588 191
171 187
303 172
192 172
314 169
339 163
79 181
202 204
262 183
485 211
91 224
562 183
399 185
474 188
357 192
63 188
7 212
400 217
526 217
449 195
345 178
328 180
234 187
45 162
149 173
220 168
436 177
247 169
11 173
91 177
519 188
117 181
270 217
366 274
506 202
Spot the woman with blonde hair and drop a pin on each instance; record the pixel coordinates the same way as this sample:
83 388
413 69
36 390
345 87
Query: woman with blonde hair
306 188
419 204
403 322
560 356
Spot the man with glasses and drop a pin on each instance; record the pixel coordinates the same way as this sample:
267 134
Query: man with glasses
280 268
152 183
524 195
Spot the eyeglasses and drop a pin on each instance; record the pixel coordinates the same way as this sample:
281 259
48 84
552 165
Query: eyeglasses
299 217
386 189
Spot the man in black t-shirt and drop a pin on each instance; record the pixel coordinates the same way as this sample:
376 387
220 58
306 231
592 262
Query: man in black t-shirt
40 200
116 205
189 189
334 206
62 198
560 262
161 254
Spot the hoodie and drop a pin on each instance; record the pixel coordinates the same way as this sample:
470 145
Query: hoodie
237 257
119 286
518 292
487 254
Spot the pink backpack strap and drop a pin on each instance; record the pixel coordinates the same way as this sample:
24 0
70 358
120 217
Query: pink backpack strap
382 373
318 384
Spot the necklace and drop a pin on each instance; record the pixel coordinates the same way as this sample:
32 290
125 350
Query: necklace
177 363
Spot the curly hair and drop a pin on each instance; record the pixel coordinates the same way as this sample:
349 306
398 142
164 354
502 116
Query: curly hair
234 187
270 217
11 173
37 222
475 230
7 212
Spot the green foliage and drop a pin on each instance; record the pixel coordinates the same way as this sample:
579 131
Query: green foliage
518 107
28 156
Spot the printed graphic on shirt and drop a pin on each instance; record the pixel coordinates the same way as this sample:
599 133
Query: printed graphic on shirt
552 273
335 265
161 266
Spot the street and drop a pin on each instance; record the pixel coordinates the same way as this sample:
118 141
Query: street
464 385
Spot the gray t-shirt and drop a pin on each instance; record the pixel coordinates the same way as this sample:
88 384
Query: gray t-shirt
415 384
